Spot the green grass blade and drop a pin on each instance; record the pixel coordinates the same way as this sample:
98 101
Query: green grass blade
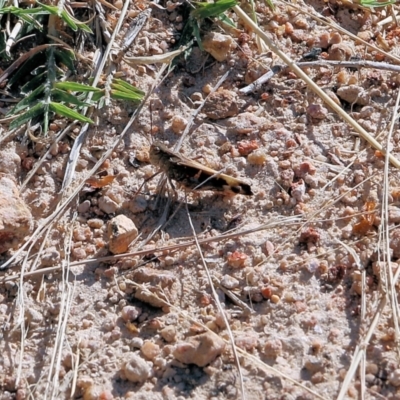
28 101
34 112
227 20
61 96
209 10
123 86
374 3
97 96
118 95
75 87
67 112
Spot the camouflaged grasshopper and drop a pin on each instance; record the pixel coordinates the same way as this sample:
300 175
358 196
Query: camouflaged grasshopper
194 175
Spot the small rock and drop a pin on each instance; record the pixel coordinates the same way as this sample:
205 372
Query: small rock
10 162
15 217
304 169
221 104
247 340
95 223
298 190
218 45
84 207
137 342
354 94
151 295
121 231
394 215
237 259
229 282
178 124
314 364
245 123
245 147
257 157
33 317
273 348
153 276
136 369
96 392
317 111
269 248
168 333
138 205
366 112
78 253
394 378
200 350
107 205
150 350
340 52
365 35
130 313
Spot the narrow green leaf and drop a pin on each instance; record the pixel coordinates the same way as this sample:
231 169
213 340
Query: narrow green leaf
35 111
209 10
65 111
26 11
132 91
196 33
66 17
97 96
133 95
75 87
125 86
51 9
28 101
68 20
59 95
373 3
227 20
116 94
84 27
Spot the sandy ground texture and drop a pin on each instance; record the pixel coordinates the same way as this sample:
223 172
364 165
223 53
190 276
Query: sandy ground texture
291 292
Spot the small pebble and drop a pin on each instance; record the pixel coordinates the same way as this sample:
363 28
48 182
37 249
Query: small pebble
150 350
136 369
168 333
84 207
130 313
229 282
95 223
200 350
178 124
272 348
218 45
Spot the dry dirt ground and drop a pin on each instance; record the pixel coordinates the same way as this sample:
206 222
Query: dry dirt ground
300 268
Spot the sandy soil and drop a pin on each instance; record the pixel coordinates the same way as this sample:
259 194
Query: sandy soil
300 268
